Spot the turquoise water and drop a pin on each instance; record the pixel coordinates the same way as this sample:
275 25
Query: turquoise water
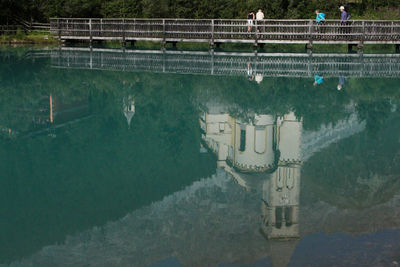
119 159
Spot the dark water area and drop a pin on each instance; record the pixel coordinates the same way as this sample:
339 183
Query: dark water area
113 158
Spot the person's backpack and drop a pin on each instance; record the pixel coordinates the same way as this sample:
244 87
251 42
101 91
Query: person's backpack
348 15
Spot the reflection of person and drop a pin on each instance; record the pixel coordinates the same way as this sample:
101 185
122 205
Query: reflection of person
259 78
250 19
318 79
250 75
342 80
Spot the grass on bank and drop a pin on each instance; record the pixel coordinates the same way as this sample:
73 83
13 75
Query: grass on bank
34 37
40 38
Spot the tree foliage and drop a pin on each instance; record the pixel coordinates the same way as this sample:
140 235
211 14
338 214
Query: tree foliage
42 10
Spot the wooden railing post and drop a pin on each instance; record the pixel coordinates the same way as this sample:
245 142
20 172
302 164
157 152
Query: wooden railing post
90 32
361 44
163 34
123 33
59 29
134 27
255 34
310 32
391 29
212 34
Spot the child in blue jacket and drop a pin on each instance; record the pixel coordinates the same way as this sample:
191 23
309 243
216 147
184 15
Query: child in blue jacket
320 19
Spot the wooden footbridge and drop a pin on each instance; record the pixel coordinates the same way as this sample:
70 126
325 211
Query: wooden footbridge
216 31
229 64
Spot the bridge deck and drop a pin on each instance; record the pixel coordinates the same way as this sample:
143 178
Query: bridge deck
229 64
219 30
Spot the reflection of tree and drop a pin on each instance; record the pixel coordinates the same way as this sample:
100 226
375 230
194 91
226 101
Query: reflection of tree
374 113
359 171
98 170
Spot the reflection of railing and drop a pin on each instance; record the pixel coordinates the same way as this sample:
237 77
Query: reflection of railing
223 30
235 64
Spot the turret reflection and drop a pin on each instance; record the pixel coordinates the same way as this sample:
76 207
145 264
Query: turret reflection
263 154
129 109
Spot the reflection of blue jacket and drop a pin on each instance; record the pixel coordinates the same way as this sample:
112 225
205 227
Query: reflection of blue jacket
342 80
320 17
318 79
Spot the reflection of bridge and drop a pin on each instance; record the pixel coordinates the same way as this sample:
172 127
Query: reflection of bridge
235 64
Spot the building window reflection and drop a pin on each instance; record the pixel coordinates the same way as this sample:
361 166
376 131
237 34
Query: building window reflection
242 146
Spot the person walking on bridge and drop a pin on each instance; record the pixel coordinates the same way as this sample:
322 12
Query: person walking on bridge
343 16
250 20
320 19
259 18
343 20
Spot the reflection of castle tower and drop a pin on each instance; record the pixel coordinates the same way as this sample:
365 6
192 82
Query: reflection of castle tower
254 144
252 148
281 192
280 203
129 109
248 147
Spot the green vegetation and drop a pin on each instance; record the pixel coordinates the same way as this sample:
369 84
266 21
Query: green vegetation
28 38
362 170
42 10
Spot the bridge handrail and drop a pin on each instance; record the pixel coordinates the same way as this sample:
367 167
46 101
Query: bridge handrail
299 30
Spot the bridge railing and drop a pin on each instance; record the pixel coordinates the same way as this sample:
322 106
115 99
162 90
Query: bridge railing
220 30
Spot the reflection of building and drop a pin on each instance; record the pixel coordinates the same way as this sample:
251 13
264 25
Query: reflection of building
44 113
248 147
129 109
263 154
281 192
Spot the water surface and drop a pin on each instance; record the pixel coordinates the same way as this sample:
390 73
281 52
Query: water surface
113 158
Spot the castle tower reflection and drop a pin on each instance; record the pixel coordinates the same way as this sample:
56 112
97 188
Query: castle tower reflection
261 154
129 109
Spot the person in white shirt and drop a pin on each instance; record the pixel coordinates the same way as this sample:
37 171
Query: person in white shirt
259 17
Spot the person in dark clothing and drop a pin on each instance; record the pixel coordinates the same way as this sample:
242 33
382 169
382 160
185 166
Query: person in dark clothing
343 16
344 20
250 20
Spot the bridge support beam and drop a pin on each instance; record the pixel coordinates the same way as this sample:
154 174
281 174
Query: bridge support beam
308 47
211 45
360 48
397 48
350 47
